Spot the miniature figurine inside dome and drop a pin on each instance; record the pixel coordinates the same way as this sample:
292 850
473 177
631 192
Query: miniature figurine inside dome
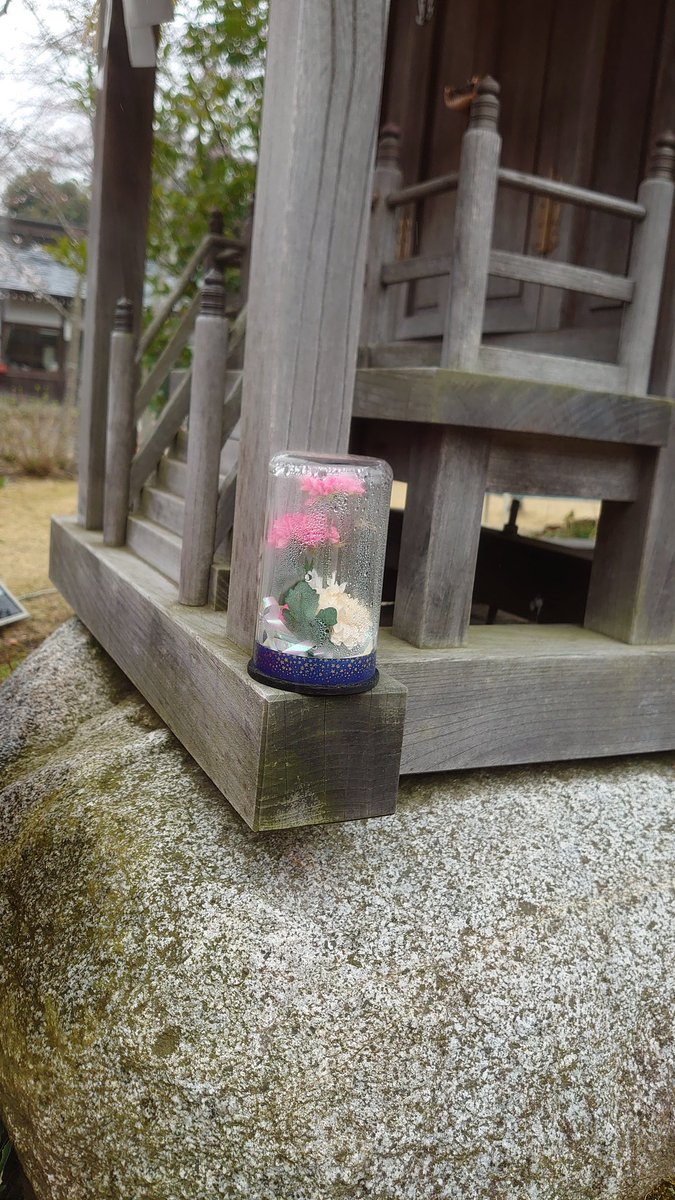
323 561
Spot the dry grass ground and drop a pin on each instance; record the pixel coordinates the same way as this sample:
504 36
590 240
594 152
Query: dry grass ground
26 505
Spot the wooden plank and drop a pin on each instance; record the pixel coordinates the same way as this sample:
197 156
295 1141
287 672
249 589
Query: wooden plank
528 693
552 368
647 265
157 546
526 464
322 90
552 273
173 349
423 191
440 397
380 306
632 591
536 185
316 772
441 528
226 507
120 430
116 244
204 444
474 220
415 268
164 508
161 437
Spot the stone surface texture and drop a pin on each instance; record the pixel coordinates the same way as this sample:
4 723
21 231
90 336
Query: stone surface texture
472 999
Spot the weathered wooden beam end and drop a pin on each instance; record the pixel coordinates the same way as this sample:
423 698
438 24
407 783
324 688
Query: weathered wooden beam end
281 760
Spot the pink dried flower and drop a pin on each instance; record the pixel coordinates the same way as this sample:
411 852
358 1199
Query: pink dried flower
330 485
310 529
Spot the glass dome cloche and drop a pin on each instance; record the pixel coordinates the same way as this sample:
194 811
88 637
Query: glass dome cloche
322 567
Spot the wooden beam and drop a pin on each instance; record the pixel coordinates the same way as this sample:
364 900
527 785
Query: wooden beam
512 695
551 273
528 464
552 368
116 243
632 591
282 760
535 185
322 90
464 398
162 435
167 359
441 527
121 431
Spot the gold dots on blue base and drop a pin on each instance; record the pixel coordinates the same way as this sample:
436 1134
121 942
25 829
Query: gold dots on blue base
301 669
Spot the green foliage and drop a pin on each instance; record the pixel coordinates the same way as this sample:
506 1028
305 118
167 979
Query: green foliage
207 114
36 195
303 616
573 527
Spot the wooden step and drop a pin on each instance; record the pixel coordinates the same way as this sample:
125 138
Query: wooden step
172 475
163 508
156 546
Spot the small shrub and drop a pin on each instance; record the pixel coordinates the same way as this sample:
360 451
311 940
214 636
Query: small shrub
38 438
573 527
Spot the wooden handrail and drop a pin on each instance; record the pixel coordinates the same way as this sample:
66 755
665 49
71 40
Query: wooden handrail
551 273
174 347
207 243
421 191
536 185
173 415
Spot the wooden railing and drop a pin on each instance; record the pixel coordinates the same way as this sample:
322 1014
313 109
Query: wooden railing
473 260
206 391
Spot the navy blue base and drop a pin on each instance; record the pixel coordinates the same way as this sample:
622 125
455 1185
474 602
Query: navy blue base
313 676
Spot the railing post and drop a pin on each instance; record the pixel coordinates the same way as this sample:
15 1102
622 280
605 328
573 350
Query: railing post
120 425
209 360
474 221
215 229
380 304
647 265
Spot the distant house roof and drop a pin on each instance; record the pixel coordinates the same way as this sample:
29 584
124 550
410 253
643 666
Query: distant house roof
26 266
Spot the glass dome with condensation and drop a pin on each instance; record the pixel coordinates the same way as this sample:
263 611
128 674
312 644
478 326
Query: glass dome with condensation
321 584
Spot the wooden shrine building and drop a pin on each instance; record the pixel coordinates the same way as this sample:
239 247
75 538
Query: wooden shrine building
462 260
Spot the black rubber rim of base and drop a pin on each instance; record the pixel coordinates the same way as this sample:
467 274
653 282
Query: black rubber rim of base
306 689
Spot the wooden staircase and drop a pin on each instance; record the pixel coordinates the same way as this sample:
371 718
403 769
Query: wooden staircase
155 529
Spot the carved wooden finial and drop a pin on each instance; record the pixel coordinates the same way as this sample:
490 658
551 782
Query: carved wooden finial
485 107
216 222
389 145
124 316
662 160
213 295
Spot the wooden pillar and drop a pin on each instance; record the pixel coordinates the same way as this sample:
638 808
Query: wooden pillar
120 431
647 265
116 244
448 467
209 361
380 304
324 70
474 222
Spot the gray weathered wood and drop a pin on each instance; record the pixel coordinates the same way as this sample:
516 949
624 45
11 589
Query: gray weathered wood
116 243
439 543
530 693
647 264
556 274
409 269
527 464
322 89
526 694
539 186
161 437
120 426
156 546
632 590
164 508
552 368
226 507
432 395
209 360
204 249
380 304
281 760
423 191
171 352
474 220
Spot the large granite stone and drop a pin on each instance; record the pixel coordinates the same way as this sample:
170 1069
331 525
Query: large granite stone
471 999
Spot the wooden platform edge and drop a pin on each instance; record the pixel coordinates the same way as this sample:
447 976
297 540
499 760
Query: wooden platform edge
281 760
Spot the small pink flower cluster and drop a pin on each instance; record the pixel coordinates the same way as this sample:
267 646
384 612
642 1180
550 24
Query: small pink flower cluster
310 529
331 485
